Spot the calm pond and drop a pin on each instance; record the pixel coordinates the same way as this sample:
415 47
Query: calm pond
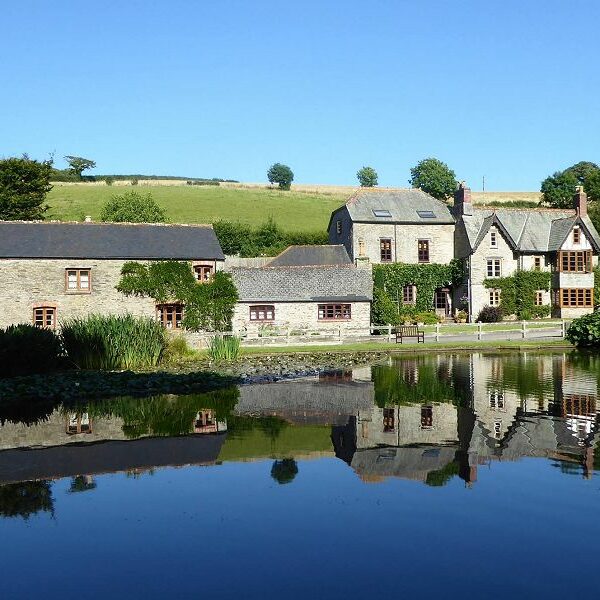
443 475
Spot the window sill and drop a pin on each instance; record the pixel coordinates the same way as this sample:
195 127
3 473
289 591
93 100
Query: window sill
334 320
78 292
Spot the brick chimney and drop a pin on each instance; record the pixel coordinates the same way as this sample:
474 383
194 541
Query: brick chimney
462 200
580 200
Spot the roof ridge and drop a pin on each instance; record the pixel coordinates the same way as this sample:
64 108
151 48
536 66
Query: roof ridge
104 223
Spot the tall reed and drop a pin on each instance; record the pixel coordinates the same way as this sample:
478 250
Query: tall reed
224 348
113 342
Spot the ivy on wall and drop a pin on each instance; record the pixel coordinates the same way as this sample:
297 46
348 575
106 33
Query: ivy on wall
208 306
517 293
391 279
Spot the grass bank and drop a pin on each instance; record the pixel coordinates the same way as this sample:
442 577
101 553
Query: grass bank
292 211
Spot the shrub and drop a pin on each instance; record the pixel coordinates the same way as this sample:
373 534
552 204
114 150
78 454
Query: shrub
134 181
224 348
113 342
427 318
132 207
25 349
585 331
490 314
109 180
461 316
177 348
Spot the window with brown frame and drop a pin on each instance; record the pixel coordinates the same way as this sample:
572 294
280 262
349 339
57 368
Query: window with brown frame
203 273
170 315
576 297
262 312
78 280
334 312
45 316
537 263
389 420
575 261
539 298
423 251
385 249
426 417
408 294
576 235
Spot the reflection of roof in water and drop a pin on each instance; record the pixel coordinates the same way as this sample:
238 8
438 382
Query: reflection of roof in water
374 464
307 400
108 457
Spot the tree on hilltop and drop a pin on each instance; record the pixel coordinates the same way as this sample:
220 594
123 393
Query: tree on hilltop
78 164
559 188
281 175
435 178
24 184
367 177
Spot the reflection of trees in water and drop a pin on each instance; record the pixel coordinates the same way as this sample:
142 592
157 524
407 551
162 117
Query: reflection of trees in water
26 499
415 381
284 471
442 476
164 415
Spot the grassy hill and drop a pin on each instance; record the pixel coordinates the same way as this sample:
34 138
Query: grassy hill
304 208
293 211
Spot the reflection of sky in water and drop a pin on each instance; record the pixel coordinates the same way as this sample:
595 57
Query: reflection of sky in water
445 475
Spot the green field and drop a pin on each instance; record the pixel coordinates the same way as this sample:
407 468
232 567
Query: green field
293 211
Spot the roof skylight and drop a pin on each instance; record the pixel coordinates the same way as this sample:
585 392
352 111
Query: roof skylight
379 212
426 214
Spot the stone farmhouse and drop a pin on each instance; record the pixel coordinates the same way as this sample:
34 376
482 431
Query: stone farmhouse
54 271
305 287
409 226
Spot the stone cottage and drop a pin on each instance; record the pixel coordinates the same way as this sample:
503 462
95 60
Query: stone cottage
306 287
53 271
497 242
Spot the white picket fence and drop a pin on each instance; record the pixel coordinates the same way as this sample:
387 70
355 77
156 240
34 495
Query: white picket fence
446 332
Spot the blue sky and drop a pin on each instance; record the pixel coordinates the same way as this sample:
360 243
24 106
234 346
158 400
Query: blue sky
509 89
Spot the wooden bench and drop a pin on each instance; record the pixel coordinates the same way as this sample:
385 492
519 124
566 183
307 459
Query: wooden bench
409 331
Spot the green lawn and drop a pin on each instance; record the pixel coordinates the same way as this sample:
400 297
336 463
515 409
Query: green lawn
293 211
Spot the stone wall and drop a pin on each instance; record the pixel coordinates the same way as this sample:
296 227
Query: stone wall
25 283
301 315
405 240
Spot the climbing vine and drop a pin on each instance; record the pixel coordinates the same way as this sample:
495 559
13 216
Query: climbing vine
390 281
517 293
208 306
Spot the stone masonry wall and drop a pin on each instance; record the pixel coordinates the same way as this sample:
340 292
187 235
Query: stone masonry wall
405 241
298 315
28 282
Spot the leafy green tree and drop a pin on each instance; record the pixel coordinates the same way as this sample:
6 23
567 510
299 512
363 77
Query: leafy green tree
434 177
26 499
24 184
592 186
582 170
558 189
133 207
367 177
78 164
281 175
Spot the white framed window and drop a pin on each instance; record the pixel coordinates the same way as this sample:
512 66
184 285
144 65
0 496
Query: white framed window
497 429
493 239
494 267
496 400
361 247
338 227
494 298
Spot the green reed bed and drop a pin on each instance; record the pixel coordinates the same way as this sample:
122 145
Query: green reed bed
113 342
224 348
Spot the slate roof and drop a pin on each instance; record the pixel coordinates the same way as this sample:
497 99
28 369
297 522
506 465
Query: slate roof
402 206
527 230
299 256
20 239
304 284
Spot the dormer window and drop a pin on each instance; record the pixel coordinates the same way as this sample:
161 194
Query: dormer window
493 239
576 235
